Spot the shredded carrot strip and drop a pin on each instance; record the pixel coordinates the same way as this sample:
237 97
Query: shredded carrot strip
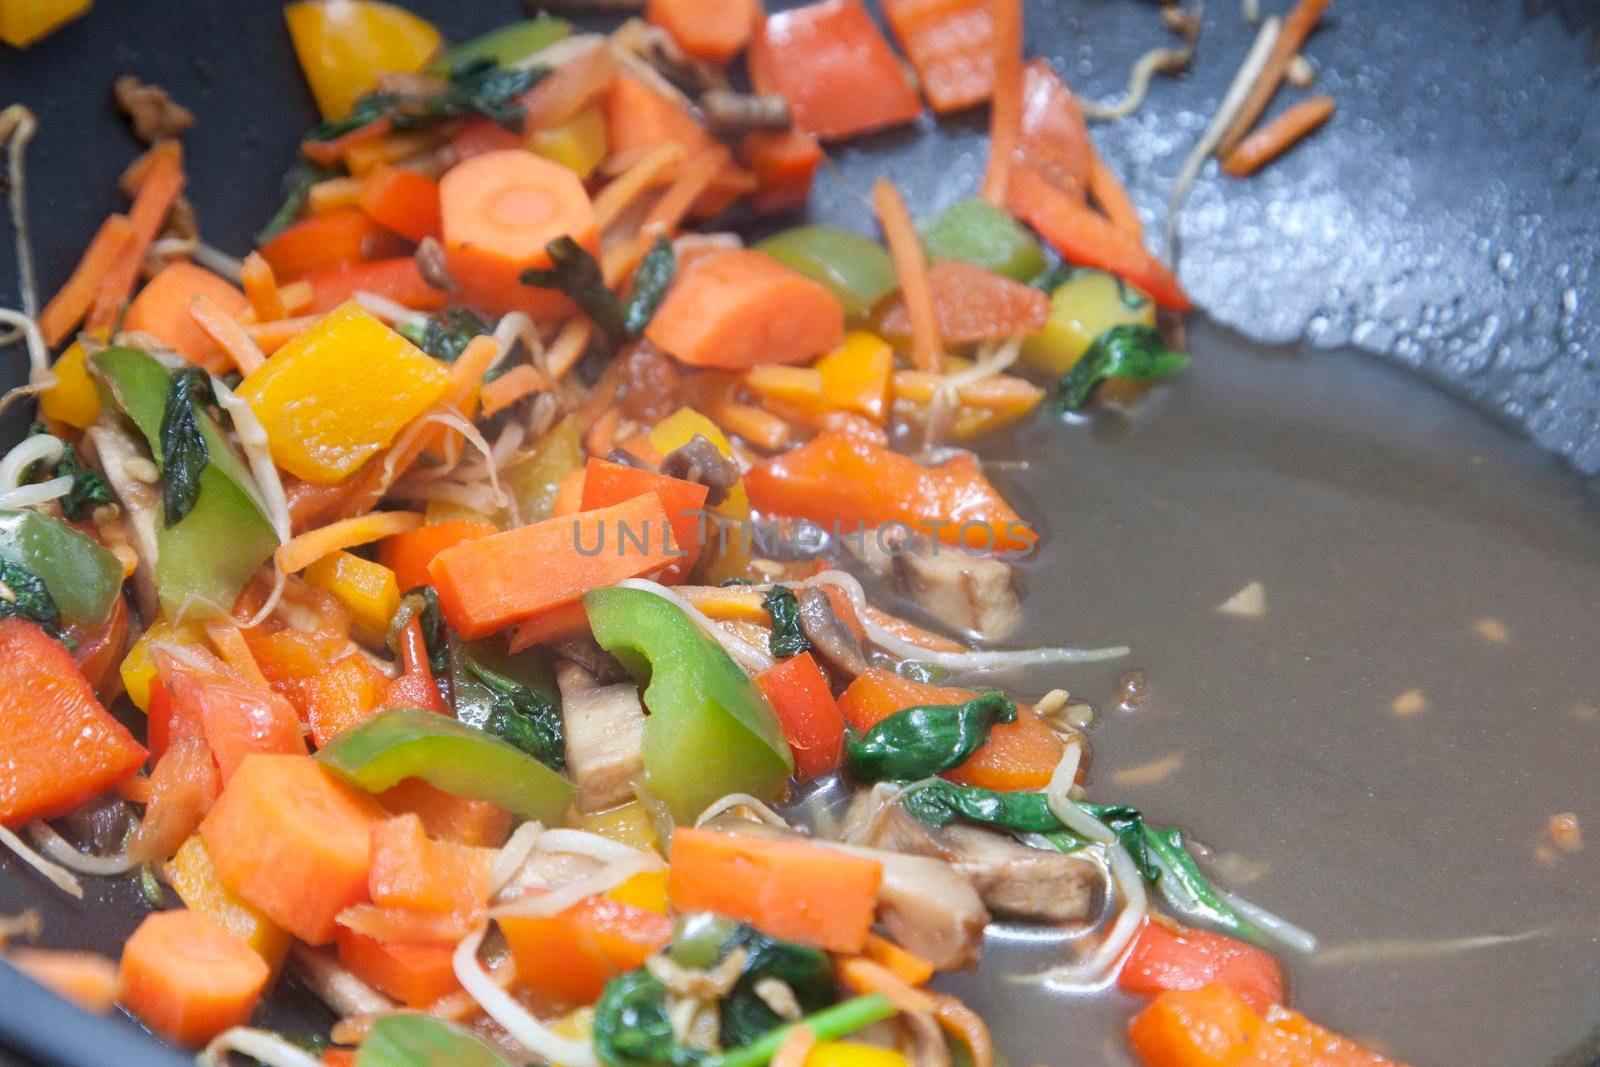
1297 26
301 552
760 427
966 1025
796 1046
1005 107
261 288
1278 136
650 171
1112 197
999 393
909 632
568 347
328 153
159 187
861 976
696 176
71 303
137 790
332 194
603 433
516 383
296 297
229 642
228 334
901 962
725 603
927 349
271 336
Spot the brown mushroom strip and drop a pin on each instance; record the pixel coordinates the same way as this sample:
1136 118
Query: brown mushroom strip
429 257
154 115
827 634
698 460
586 653
728 112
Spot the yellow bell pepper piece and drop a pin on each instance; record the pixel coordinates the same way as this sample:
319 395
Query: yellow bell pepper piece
370 590
576 1025
647 890
579 144
1082 308
23 22
74 399
194 879
853 1054
856 375
628 824
343 45
721 558
789 385
338 392
443 511
138 670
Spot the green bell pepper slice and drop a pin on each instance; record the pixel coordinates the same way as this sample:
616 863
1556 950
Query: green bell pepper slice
423 1041
854 268
82 577
710 732
975 231
507 46
473 698
203 561
449 755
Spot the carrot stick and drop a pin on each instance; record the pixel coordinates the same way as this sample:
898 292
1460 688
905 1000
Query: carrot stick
667 214
1297 26
1000 393
927 350
229 642
761 428
1005 108
162 182
516 383
261 288
296 297
68 307
328 153
1278 136
1108 192
271 336
227 333
862 976
568 347
302 551
904 964
187 978
651 170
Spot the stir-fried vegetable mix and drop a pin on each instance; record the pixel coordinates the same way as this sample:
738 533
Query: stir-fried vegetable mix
478 553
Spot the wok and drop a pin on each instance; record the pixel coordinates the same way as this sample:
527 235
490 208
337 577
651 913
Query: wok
1393 414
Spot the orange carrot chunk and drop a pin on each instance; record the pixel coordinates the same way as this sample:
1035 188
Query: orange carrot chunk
795 891
327 242
62 747
294 841
398 279
950 43
408 554
973 304
1289 1039
498 212
187 978
1278 136
785 164
491 583
411 871
606 484
1018 755
447 817
418 975
712 30
566 959
640 117
738 308
832 64
341 694
162 310
1207 1027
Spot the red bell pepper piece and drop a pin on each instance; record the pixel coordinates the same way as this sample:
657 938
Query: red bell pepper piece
784 165
972 304
1052 136
951 45
1166 958
398 279
62 746
402 200
810 716
832 64
414 688
328 241
236 718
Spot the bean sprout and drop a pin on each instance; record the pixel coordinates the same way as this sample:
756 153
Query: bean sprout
264 1046
62 851
499 1006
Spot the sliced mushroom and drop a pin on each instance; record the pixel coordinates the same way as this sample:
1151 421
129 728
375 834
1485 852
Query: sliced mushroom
431 265
1012 878
923 902
976 594
116 448
728 112
698 460
604 727
830 637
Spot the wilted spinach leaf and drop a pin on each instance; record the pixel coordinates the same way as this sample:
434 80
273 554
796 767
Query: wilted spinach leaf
87 486
184 453
787 638
631 1027
922 741
577 273
524 718
477 86
448 333
650 285
24 595
805 970
297 185
1128 351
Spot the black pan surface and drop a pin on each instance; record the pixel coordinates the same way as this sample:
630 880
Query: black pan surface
1445 221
